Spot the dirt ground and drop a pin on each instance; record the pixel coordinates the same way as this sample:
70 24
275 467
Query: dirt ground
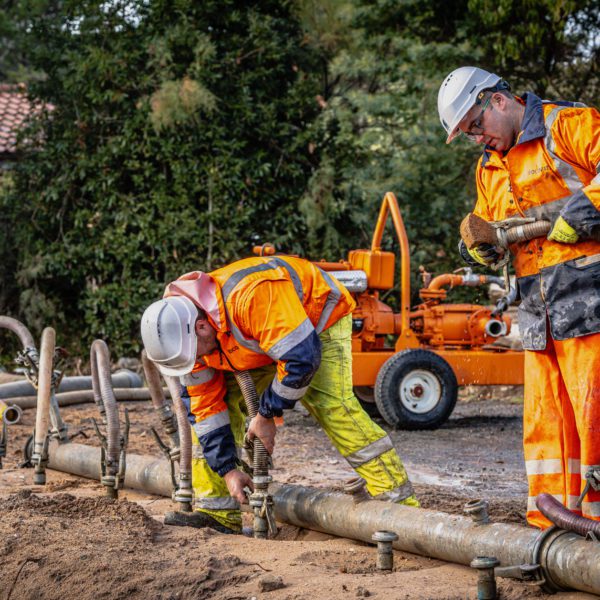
65 540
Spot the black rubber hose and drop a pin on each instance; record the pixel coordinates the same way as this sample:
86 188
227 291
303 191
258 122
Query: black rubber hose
561 516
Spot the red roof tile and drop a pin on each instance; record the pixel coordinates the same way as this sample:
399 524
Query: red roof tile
14 108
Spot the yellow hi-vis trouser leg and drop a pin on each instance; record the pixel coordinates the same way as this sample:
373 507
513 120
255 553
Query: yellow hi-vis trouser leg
211 495
331 401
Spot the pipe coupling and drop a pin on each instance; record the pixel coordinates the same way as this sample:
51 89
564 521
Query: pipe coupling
478 511
356 487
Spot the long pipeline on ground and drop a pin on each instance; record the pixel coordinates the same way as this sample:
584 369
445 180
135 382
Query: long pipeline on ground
86 396
120 379
570 561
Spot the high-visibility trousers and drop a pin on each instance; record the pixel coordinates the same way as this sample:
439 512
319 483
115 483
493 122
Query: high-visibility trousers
561 424
331 401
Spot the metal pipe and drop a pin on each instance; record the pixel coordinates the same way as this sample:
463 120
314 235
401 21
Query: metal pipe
107 405
183 494
42 415
146 473
120 379
17 327
86 396
569 560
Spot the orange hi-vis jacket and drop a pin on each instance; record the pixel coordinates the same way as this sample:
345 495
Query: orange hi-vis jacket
551 171
265 310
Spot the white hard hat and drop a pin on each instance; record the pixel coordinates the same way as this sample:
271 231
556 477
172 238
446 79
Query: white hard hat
459 93
169 335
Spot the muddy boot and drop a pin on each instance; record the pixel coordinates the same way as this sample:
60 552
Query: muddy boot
195 519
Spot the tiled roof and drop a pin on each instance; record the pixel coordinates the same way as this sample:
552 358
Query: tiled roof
14 108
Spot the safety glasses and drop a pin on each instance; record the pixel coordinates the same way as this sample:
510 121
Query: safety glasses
476 129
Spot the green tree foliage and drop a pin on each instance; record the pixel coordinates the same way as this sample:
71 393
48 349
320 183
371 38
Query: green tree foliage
379 129
174 137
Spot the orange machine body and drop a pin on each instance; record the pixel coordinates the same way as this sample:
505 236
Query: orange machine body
459 333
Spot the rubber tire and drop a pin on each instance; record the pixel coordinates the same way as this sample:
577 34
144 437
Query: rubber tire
366 398
387 387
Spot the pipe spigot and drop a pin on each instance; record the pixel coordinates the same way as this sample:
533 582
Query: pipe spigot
486 579
478 511
385 555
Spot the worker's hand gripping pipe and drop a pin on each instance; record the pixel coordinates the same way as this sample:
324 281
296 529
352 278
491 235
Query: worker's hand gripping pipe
114 445
183 493
260 500
39 457
161 406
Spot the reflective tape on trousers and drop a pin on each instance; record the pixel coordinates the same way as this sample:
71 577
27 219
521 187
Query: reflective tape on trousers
367 453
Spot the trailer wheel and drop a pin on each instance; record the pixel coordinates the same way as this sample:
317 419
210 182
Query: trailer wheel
366 398
416 389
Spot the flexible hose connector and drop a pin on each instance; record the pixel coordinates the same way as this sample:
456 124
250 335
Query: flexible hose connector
261 456
522 233
106 402
184 492
260 500
42 416
561 516
17 327
167 418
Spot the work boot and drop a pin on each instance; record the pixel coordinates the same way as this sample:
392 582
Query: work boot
195 519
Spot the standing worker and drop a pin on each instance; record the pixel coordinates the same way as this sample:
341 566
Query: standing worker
541 159
290 324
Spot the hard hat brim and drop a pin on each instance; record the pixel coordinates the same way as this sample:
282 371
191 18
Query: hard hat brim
453 135
177 371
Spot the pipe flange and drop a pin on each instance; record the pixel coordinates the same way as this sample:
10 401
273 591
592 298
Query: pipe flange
184 494
384 536
485 562
108 481
260 480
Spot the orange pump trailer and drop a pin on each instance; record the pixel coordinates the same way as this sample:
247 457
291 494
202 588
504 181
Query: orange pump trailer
438 347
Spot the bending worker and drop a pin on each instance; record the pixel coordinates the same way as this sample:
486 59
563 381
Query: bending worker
290 324
541 159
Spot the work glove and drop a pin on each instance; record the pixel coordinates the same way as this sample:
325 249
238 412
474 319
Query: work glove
562 232
483 254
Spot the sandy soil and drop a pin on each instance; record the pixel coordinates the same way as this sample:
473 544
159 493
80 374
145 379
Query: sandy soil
65 540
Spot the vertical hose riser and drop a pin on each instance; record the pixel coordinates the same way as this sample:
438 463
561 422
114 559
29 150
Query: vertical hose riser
107 406
260 500
159 402
42 416
183 494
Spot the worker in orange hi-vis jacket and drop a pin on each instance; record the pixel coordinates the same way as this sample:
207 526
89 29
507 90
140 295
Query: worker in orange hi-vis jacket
541 159
290 324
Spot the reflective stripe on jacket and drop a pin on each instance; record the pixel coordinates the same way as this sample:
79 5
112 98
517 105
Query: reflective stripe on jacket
270 309
552 170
